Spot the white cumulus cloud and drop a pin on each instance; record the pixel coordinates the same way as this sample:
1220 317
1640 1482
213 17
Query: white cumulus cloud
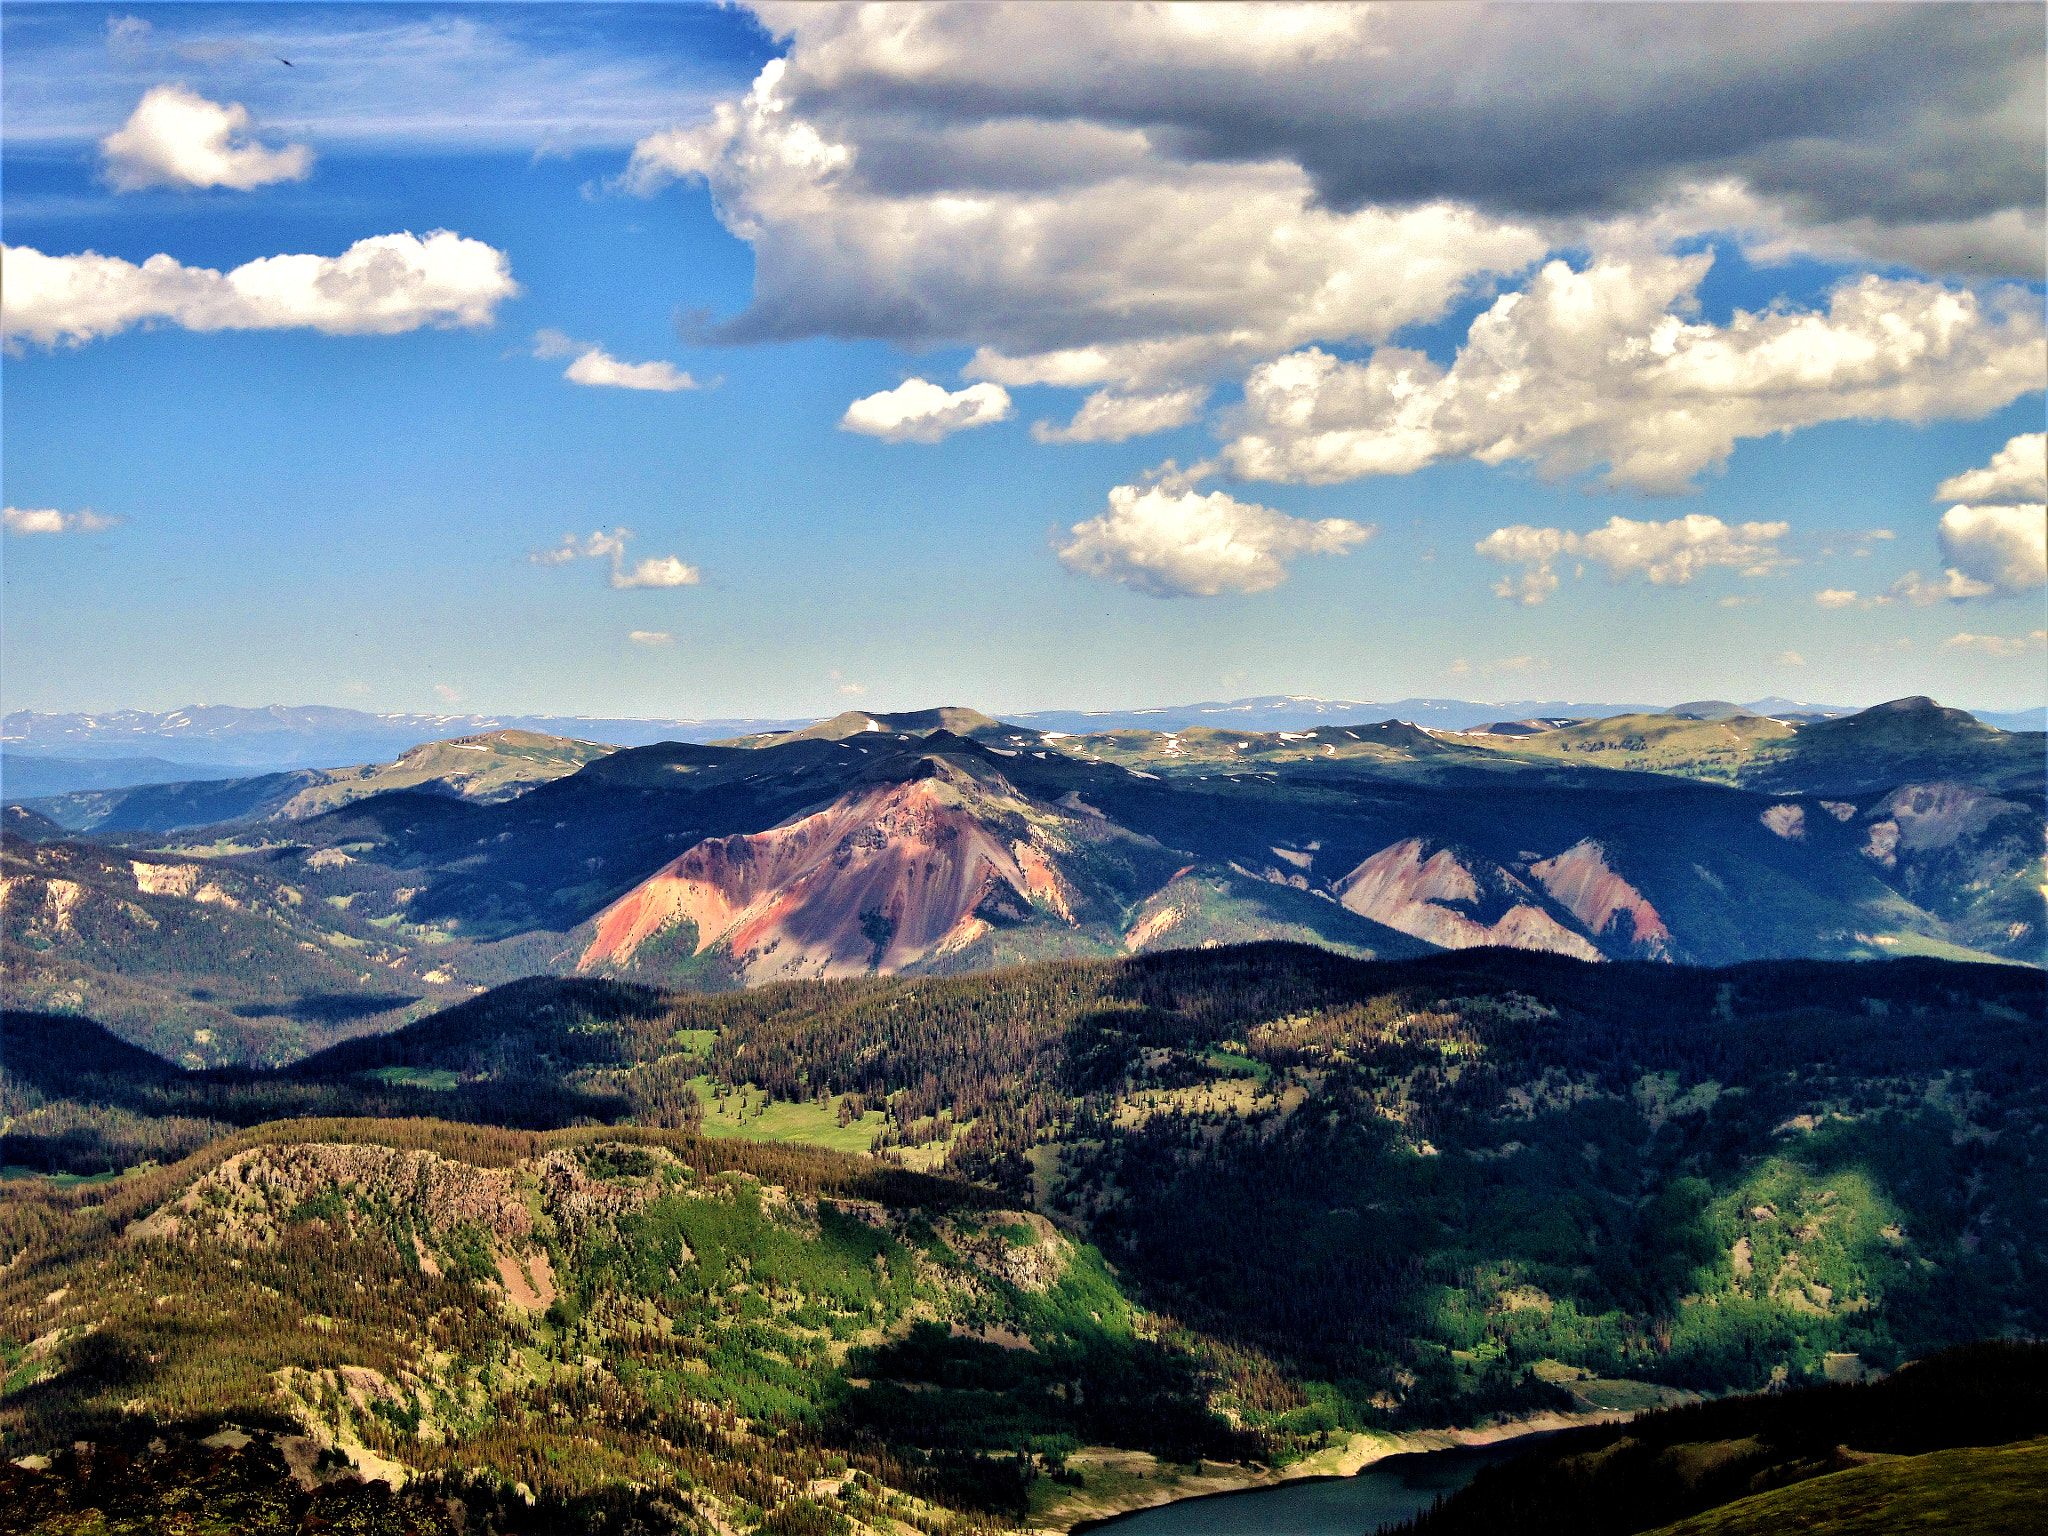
651 637
1990 551
1109 417
1079 251
2017 472
1140 194
379 286
1952 587
177 138
661 571
610 546
594 366
27 520
1836 597
2001 549
1827 117
1170 540
2001 646
1664 554
917 411
1593 367
1145 200
601 545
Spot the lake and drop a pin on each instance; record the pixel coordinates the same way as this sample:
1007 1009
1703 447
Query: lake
1384 1492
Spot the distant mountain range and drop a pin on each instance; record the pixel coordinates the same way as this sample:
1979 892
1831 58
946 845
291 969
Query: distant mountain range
203 741
283 736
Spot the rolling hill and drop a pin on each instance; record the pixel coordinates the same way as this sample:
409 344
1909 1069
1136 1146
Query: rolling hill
1903 741
498 765
25 777
1719 872
1953 1444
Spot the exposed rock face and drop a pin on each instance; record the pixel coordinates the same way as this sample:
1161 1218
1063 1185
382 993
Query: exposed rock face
876 881
1788 821
1580 881
1968 855
165 879
1940 815
1421 894
996 1249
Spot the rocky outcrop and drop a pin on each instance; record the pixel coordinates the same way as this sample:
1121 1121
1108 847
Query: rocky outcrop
1923 817
1438 896
251 1197
1580 881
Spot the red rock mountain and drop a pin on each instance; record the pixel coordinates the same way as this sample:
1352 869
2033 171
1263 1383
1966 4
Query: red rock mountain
881 878
1460 901
1611 909
1421 893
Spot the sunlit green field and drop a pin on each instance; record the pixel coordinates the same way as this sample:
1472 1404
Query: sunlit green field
813 1124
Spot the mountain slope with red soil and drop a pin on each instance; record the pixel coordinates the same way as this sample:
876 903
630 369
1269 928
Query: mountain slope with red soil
883 878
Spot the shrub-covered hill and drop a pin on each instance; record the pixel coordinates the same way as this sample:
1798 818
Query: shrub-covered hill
700 1335
1861 1456
1999 1490
1401 1193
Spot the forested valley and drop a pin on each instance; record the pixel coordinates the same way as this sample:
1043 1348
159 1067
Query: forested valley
1246 1207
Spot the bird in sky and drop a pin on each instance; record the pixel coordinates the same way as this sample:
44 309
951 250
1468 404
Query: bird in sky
287 63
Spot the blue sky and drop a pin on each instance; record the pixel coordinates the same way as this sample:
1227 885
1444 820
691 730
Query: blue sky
308 517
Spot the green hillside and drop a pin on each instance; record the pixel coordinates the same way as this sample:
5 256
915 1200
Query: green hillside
740 1332
1390 747
1995 1491
498 765
202 961
1719 751
1905 741
1952 1443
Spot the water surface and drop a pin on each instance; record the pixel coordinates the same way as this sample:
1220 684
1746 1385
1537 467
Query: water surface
1385 1492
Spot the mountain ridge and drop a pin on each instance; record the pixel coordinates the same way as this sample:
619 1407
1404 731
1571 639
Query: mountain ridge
830 852
276 737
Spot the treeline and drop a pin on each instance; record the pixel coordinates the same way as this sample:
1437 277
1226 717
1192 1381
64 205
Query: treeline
77 1099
